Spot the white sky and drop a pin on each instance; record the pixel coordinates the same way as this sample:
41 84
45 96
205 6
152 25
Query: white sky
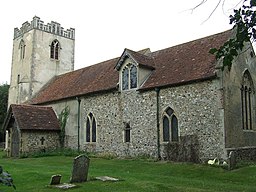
105 27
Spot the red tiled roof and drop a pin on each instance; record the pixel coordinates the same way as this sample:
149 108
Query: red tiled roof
30 117
186 62
175 65
95 78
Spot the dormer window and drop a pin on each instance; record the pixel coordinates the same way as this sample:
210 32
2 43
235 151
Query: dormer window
129 77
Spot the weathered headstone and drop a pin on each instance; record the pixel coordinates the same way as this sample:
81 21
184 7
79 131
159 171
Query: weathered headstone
55 180
231 160
80 169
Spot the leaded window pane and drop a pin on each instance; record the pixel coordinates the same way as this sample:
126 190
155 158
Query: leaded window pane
175 134
93 130
169 111
125 79
166 129
133 76
88 126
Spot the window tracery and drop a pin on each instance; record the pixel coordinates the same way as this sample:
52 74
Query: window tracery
91 128
55 49
247 100
130 77
170 130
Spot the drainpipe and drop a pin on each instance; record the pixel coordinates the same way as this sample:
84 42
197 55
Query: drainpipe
78 123
158 124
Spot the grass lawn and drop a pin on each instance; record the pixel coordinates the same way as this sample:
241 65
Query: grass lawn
33 174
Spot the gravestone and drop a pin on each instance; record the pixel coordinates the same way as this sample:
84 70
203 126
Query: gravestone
55 180
80 169
232 160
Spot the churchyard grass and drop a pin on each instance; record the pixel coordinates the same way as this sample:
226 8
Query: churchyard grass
33 174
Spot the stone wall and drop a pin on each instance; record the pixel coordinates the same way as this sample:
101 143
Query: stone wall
31 141
112 112
198 107
236 136
244 153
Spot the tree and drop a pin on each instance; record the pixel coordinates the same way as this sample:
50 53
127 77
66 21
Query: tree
4 89
244 21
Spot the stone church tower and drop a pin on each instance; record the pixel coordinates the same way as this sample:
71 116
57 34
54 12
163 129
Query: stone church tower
40 52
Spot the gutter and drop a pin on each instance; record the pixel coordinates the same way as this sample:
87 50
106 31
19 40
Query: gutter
158 124
78 123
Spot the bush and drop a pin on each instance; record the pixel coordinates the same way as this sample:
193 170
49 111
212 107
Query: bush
6 179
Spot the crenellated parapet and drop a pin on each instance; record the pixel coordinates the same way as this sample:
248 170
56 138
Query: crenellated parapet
53 27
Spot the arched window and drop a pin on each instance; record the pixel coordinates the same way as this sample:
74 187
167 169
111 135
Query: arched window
170 130
22 49
90 128
247 100
129 77
55 50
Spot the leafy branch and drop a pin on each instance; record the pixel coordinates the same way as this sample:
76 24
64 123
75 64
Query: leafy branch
244 20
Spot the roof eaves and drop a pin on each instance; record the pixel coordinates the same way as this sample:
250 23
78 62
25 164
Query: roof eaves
211 77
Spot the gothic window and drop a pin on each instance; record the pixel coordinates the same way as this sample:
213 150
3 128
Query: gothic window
22 49
247 100
129 77
91 128
170 130
55 50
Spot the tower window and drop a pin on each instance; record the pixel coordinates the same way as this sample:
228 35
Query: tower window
55 50
22 49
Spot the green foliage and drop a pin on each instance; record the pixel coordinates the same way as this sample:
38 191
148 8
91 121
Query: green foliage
244 20
63 117
6 179
4 89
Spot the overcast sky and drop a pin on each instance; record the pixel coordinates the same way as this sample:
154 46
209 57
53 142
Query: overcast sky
105 27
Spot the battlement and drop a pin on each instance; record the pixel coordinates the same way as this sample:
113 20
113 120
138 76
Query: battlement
53 27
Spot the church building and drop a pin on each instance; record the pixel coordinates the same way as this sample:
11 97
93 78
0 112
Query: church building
176 103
